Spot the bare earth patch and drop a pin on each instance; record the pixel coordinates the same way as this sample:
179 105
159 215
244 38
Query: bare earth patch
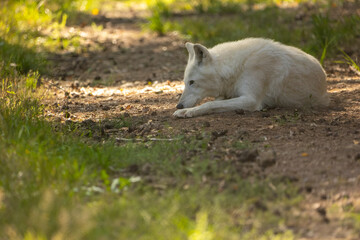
137 76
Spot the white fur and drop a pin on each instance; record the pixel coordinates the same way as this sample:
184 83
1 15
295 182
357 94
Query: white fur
250 74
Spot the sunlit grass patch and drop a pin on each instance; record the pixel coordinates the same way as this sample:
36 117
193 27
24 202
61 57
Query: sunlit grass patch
167 213
347 211
28 29
354 218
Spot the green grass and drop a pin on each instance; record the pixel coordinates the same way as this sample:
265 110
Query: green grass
220 21
330 33
325 34
211 31
21 56
29 29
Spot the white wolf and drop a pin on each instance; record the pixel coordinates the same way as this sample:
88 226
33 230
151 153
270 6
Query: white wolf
250 74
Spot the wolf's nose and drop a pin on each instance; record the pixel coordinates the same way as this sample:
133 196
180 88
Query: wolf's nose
180 106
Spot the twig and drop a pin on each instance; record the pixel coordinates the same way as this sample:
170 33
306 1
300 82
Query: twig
354 70
146 139
163 139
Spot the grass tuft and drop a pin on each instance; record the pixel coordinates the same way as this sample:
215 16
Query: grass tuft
324 34
348 60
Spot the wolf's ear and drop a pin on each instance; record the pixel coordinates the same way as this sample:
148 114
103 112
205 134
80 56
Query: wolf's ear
202 54
190 47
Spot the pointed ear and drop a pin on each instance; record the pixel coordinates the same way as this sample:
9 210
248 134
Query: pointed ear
190 47
202 54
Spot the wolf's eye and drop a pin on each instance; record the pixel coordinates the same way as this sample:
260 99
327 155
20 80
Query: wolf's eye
191 82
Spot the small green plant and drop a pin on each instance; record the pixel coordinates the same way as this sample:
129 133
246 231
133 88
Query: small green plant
288 118
96 28
348 60
156 24
218 6
159 11
354 217
324 34
242 145
13 85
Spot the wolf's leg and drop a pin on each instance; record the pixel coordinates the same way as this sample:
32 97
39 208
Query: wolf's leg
243 102
250 89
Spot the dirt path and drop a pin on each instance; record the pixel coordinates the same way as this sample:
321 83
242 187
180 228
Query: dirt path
137 76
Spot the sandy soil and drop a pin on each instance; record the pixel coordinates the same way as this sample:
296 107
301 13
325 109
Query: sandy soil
137 76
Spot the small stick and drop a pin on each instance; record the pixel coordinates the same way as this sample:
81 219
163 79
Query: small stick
147 139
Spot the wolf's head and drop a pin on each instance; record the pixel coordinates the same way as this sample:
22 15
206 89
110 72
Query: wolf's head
199 77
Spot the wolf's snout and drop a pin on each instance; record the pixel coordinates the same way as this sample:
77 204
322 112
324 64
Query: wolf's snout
180 106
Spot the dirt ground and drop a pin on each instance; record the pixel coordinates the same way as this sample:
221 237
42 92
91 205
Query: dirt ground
137 76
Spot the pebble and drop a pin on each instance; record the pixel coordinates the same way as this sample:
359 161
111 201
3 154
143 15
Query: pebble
105 108
206 124
267 159
248 155
240 112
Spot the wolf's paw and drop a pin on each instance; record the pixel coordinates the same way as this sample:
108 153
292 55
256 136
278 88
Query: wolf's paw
183 113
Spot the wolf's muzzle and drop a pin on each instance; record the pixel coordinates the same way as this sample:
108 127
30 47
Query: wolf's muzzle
180 106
